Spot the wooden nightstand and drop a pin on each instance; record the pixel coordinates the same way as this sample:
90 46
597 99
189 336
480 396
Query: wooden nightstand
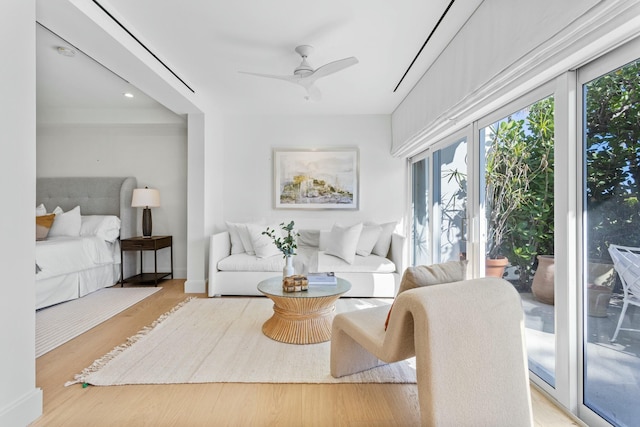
142 244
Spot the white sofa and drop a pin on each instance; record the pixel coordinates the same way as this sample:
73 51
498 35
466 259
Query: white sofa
239 273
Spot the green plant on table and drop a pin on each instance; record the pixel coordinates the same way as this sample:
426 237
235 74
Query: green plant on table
287 244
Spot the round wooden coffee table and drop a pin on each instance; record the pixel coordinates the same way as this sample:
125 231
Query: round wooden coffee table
301 317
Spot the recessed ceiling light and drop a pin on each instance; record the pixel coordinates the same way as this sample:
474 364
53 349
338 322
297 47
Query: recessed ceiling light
128 94
65 51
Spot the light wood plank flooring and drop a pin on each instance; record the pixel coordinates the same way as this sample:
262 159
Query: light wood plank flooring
217 404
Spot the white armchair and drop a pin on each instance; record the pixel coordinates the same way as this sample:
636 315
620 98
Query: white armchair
468 339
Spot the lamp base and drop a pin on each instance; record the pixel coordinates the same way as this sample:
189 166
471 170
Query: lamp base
146 222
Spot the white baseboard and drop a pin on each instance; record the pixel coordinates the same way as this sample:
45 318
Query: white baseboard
195 286
22 411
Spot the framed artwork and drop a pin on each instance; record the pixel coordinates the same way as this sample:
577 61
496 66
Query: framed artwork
316 179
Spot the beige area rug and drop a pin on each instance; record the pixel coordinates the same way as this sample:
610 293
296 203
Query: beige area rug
60 323
221 340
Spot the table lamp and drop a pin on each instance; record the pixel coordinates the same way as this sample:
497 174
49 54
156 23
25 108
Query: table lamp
146 198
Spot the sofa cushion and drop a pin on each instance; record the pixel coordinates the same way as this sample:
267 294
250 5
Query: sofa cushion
263 245
246 262
343 241
360 264
245 237
427 275
234 237
368 239
308 238
383 244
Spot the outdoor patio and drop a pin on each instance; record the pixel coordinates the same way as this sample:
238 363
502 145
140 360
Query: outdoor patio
612 370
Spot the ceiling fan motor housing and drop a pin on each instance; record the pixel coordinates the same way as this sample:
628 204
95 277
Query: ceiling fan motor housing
304 68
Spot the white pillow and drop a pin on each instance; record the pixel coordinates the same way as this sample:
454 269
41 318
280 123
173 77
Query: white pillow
66 223
343 242
234 236
308 238
323 240
41 210
245 236
368 239
263 245
384 241
107 227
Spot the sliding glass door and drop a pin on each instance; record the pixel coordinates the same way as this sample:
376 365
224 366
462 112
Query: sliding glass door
518 197
611 250
571 233
439 204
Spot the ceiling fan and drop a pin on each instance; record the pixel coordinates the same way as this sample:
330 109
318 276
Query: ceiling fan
305 76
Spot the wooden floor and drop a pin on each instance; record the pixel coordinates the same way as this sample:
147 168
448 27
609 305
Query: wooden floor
217 404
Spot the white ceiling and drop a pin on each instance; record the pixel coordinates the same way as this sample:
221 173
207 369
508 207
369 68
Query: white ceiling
206 43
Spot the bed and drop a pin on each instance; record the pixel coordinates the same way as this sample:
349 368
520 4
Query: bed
72 266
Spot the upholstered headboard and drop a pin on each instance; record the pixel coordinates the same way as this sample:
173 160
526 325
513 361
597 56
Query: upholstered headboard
94 195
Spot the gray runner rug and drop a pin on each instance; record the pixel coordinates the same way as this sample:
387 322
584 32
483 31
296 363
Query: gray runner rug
60 323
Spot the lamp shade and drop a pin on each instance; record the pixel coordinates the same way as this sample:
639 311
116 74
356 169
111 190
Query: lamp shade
145 198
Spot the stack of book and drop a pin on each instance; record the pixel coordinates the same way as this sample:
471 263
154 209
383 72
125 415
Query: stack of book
322 279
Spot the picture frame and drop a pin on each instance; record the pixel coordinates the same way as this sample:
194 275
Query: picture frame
316 179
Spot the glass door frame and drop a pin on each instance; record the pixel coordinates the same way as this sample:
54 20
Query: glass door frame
428 155
560 89
607 63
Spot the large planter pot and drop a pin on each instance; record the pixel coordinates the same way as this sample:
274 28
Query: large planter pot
494 267
543 280
600 281
599 297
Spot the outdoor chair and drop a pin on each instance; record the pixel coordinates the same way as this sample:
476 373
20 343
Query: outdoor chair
626 261
468 340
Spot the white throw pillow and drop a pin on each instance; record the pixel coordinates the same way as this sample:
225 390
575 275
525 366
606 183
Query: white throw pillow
41 210
234 236
263 245
368 239
107 227
323 239
66 223
343 242
384 241
245 236
309 238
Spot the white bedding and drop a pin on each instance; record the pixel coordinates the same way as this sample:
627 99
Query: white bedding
72 267
63 255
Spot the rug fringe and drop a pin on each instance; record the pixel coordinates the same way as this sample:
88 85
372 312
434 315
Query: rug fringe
104 360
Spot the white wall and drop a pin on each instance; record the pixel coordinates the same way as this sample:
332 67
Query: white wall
20 400
248 179
156 154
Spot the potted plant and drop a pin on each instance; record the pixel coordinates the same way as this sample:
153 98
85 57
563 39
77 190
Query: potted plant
519 189
287 245
506 187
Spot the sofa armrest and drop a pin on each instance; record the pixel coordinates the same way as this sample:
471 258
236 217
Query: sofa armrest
220 248
397 252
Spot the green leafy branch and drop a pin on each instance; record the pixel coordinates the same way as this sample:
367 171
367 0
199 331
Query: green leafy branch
287 245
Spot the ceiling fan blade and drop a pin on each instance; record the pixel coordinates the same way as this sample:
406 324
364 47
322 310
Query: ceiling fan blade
313 94
332 67
292 79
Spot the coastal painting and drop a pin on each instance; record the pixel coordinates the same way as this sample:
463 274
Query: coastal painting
315 179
